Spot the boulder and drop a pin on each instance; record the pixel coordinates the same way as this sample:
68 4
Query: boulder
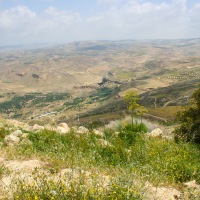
37 127
156 133
17 133
163 193
64 125
63 128
192 184
28 128
26 166
11 140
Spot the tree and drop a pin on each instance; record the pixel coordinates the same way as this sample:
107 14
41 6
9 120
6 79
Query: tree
189 129
132 100
140 112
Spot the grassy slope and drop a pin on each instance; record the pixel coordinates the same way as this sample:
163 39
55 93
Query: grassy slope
129 160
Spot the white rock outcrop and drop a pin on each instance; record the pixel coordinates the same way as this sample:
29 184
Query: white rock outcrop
17 133
156 133
163 193
63 128
11 140
192 184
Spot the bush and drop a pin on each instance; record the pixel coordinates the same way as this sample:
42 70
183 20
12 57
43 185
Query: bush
131 133
3 133
189 130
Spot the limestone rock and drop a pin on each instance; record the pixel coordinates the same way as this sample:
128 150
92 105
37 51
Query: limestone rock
15 123
156 133
11 140
17 133
23 166
162 193
37 127
192 184
28 128
63 128
64 125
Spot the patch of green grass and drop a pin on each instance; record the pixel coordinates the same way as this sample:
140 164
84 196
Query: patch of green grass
167 160
120 187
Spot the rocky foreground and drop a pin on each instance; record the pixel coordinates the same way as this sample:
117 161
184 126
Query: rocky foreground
33 170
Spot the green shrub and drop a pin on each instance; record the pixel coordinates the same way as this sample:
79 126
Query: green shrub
166 160
131 133
3 133
189 130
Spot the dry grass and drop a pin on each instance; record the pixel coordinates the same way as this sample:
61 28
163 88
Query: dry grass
168 113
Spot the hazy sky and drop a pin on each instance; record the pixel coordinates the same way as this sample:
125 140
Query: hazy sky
62 21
